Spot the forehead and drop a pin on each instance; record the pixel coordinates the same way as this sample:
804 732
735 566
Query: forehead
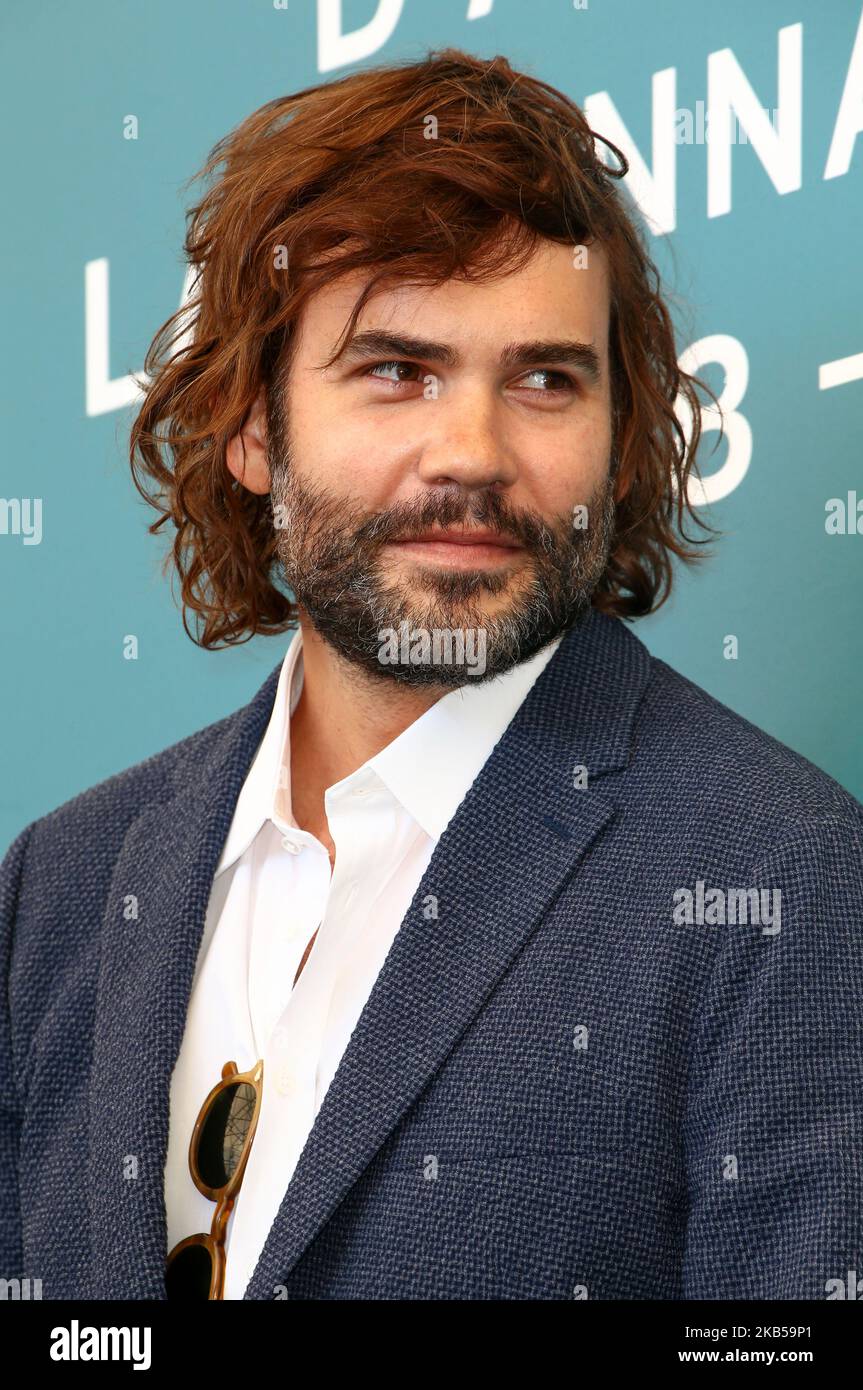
561 292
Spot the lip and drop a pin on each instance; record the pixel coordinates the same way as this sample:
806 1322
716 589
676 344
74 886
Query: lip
460 548
456 537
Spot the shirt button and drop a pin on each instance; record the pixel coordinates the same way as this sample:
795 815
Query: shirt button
284 1081
290 845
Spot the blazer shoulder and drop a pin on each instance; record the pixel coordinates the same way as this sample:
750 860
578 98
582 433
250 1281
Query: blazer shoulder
108 807
731 761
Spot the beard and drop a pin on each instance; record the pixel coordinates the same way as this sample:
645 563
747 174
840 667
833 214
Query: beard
330 550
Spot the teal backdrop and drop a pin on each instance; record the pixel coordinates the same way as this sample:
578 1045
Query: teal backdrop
758 234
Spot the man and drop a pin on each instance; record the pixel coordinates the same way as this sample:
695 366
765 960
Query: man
481 955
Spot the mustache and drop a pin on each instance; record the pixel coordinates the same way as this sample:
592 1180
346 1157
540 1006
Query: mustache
443 510
345 534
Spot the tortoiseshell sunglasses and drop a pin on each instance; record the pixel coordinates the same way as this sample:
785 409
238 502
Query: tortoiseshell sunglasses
218 1153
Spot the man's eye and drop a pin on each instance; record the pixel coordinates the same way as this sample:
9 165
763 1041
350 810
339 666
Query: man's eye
554 381
540 379
393 371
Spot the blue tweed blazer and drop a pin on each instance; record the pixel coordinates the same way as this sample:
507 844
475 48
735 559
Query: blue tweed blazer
559 1088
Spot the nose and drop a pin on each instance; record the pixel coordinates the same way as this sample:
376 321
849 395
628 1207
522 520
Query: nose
466 441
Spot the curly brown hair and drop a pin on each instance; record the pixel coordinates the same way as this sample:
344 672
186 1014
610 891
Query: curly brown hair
346 167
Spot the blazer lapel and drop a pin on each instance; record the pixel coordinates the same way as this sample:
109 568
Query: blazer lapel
519 832
151 932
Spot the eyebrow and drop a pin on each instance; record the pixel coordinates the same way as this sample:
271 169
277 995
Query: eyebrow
374 342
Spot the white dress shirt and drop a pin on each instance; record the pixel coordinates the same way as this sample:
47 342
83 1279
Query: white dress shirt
272 888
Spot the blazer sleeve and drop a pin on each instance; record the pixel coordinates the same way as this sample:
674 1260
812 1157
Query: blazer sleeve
774 1121
11 1252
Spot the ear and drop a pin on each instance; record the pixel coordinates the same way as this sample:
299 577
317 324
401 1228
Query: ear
246 453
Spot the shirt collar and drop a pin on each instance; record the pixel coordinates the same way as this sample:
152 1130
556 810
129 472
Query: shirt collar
432 764
266 792
428 768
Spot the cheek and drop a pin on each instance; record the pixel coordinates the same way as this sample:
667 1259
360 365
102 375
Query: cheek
343 456
593 456
324 444
568 470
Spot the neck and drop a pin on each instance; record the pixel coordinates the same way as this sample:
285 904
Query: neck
343 717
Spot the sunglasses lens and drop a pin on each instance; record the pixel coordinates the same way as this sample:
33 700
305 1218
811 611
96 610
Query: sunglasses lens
189 1273
223 1134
